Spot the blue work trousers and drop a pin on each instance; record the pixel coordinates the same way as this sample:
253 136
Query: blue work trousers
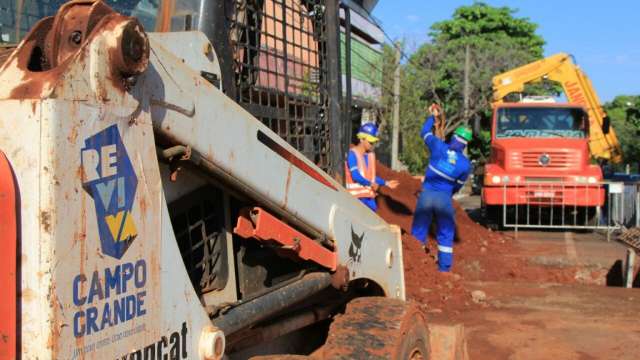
370 202
436 204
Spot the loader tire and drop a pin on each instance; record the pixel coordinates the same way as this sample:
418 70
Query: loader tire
378 328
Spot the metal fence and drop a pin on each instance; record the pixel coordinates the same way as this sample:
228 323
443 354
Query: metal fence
606 206
281 67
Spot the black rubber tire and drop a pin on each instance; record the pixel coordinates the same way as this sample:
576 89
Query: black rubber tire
378 328
415 343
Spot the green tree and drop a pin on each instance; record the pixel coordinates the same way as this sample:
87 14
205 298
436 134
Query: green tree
496 41
624 112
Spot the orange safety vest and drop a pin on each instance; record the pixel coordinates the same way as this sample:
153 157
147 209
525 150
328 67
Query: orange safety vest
368 172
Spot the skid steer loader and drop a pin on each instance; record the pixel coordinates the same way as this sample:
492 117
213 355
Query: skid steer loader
146 215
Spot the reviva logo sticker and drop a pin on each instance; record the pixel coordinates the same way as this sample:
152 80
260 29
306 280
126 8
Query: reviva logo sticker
110 180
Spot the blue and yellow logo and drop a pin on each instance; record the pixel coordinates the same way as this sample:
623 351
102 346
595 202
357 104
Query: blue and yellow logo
110 180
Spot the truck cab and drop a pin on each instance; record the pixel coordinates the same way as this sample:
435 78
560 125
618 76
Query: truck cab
540 157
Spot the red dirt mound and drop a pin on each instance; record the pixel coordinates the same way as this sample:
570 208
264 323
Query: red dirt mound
479 254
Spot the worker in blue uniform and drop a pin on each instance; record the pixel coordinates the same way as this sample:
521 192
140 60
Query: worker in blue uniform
447 171
360 168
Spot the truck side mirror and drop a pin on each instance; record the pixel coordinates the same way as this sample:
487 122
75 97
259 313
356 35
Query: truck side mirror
606 125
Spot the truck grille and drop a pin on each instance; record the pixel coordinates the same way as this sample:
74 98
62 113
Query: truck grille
557 160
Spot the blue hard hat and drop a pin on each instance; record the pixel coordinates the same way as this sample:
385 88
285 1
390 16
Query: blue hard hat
369 132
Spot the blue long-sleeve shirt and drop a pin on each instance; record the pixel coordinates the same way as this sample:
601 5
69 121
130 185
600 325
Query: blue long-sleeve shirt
448 169
352 163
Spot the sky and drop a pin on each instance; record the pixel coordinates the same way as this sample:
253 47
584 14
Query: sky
603 36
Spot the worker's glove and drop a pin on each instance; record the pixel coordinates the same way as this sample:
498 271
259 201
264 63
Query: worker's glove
435 110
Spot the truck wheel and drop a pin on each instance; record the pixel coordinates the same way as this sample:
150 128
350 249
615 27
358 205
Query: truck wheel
378 328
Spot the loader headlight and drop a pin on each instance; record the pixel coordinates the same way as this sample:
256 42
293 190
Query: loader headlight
495 179
592 180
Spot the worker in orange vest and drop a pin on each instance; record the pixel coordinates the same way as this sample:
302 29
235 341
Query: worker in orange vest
360 169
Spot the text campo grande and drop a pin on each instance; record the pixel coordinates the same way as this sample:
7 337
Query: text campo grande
123 287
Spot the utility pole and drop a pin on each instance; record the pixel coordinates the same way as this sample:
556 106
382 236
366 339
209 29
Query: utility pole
467 86
467 89
395 163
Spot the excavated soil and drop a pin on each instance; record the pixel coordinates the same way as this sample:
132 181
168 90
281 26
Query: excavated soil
479 254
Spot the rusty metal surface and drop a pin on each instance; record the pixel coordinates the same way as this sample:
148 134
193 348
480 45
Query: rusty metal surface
55 44
4 53
226 143
71 26
265 306
101 271
24 118
259 224
94 205
340 278
374 328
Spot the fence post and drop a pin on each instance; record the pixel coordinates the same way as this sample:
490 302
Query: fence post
637 206
631 257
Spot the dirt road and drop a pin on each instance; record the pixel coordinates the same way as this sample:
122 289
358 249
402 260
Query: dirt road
546 321
591 319
524 295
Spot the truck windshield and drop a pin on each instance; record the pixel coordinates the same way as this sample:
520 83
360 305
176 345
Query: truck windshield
17 17
541 123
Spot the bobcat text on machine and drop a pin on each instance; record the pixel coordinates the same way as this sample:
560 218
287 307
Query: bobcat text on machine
542 151
146 215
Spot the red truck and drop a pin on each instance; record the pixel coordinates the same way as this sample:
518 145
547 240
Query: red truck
540 161
543 169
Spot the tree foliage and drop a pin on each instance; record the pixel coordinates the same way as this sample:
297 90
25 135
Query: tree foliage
496 41
624 112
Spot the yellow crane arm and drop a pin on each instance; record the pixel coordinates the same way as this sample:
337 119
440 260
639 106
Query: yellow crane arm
513 81
578 90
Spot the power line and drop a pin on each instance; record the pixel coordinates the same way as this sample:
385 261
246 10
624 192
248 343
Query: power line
386 35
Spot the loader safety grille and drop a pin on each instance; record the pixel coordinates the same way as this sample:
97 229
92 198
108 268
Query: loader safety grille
198 224
280 64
